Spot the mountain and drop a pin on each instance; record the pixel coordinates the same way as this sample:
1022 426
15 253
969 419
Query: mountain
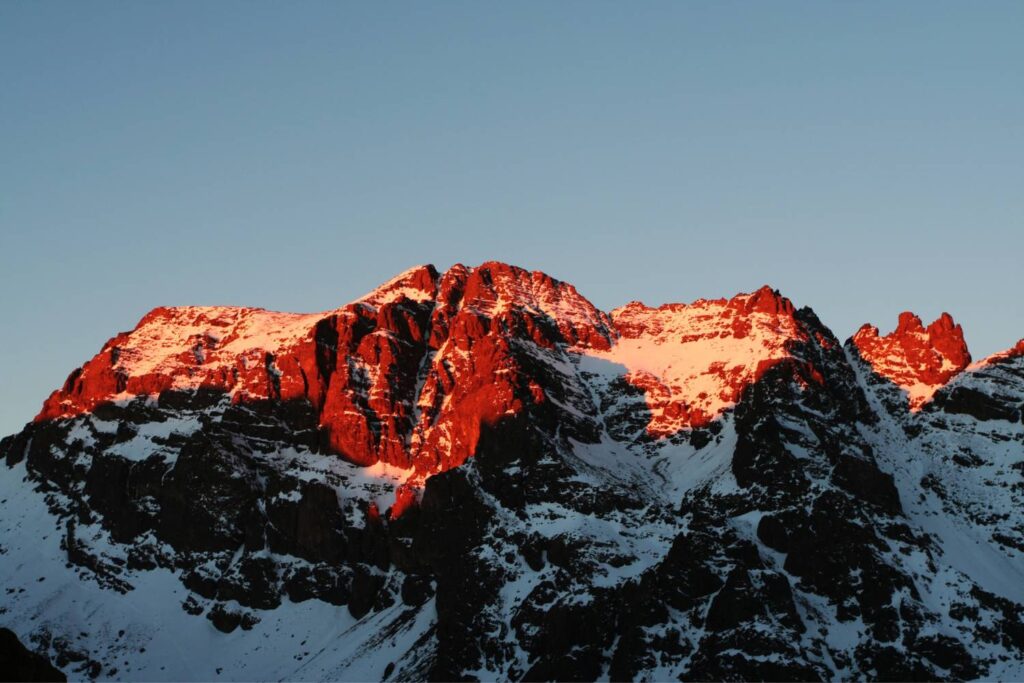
477 474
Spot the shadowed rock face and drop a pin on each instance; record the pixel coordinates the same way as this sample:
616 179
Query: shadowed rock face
478 474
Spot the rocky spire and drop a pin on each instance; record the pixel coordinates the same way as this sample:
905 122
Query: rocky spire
918 359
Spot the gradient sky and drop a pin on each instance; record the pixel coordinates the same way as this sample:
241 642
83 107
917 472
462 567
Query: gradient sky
863 157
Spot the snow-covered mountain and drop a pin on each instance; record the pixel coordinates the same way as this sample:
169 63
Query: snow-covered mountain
477 474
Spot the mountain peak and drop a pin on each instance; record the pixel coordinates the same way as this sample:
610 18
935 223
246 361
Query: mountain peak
908 323
765 300
693 361
916 358
418 283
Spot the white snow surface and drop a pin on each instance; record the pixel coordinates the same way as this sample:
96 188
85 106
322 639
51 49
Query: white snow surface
145 634
698 356
156 345
974 502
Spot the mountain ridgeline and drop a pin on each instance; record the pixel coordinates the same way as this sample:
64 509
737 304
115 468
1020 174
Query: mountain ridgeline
477 474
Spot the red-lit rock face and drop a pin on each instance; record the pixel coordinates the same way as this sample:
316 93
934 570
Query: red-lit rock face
407 375
405 498
919 360
1015 351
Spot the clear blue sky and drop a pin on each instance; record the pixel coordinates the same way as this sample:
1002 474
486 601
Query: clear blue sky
863 157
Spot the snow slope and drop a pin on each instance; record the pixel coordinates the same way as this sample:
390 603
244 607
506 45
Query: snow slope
479 474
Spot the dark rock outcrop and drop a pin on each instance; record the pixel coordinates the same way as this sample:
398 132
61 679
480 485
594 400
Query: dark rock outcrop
18 663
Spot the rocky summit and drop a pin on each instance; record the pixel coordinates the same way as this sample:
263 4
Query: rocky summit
478 475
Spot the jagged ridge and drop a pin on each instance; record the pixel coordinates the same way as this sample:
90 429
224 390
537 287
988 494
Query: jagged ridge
527 488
